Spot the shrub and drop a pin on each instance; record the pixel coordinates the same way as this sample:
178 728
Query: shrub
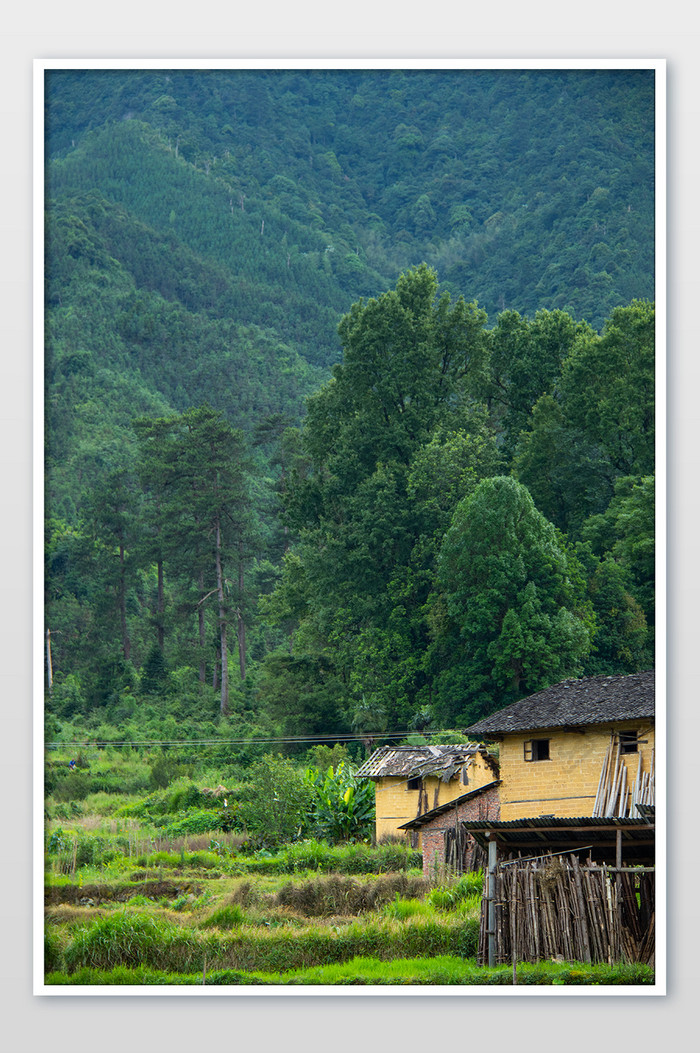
468 940
186 796
163 770
467 891
93 850
324 757
69 810
205 860
71 786
68 697
202 821
279 802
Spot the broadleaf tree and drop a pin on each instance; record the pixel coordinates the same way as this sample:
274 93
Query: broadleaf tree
509 611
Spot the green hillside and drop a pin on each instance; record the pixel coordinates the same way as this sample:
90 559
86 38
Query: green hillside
524 189
307 333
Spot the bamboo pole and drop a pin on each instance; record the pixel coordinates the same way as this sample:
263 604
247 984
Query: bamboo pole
513 918
621 811
534 899
579 913
612 798
611 918
596 930
500 930
491 879
585 940
637 787
602 781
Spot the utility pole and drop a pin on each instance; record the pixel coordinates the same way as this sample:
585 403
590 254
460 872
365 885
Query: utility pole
48 660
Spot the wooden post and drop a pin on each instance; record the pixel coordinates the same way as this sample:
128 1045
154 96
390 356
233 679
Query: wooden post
493 855
49 666
618 848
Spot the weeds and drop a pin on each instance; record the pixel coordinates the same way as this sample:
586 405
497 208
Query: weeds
337 894
401 909
342 859
230 916
132 939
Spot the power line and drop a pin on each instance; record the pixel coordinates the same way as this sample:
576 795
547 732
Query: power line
340 737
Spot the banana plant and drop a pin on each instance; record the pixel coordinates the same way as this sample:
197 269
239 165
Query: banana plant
344 805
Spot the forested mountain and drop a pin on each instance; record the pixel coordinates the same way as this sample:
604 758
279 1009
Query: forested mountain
314 339
525 190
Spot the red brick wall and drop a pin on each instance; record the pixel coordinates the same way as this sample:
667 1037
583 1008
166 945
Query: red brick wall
484 806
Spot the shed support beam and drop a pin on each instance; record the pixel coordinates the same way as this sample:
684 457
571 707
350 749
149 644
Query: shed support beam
491 893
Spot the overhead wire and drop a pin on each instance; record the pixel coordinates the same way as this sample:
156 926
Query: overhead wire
226 741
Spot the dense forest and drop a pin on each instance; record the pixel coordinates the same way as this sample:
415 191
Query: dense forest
349 397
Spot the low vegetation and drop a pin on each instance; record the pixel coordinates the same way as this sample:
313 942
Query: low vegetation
168 887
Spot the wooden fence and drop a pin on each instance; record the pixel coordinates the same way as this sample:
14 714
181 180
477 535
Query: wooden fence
553 907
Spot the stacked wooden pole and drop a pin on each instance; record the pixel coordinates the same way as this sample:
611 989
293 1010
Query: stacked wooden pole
614 797
552 907
644 790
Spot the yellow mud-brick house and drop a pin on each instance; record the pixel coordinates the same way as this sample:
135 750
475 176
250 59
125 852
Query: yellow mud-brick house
581 748
412 780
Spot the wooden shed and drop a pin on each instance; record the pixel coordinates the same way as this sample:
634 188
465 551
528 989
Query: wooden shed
582 889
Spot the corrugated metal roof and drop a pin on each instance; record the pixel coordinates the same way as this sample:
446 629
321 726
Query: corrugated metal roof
558 822
410 762
553 834
575 703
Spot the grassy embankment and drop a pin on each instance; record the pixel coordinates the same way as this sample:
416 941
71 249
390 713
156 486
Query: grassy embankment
139 891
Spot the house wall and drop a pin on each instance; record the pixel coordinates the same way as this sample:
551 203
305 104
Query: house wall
485 806
396 804
567 783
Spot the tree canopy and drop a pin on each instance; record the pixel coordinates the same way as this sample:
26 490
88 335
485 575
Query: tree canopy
509 613
349 394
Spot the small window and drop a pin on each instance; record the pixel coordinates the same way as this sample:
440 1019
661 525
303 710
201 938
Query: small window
629 741
415 784
537 749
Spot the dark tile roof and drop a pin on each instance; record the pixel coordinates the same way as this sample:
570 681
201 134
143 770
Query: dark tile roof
573 703
411 762
426 817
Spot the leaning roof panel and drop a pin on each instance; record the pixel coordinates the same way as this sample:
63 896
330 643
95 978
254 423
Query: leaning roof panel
412 761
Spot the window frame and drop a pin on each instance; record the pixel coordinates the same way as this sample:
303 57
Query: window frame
536 750
629 742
